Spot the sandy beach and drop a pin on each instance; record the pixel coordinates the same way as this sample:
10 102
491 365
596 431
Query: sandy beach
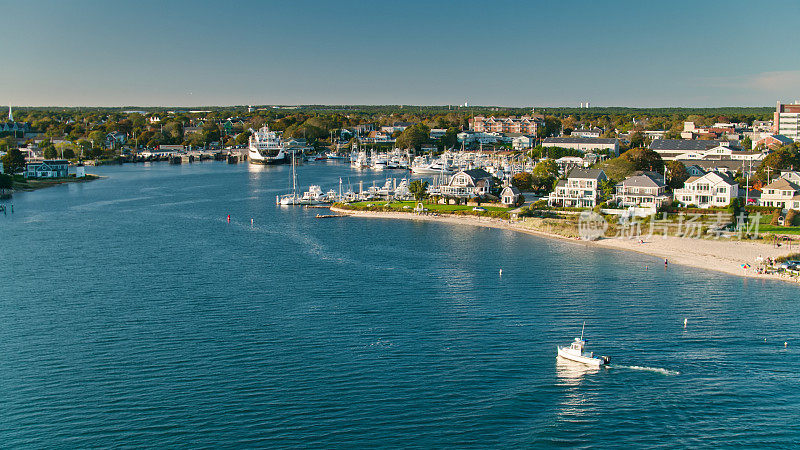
721 255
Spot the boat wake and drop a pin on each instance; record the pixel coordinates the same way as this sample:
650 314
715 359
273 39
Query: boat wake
647 369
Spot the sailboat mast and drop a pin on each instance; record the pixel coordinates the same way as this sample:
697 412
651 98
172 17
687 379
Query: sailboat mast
582 328
294 176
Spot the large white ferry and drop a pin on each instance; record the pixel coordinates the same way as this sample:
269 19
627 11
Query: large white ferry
266 147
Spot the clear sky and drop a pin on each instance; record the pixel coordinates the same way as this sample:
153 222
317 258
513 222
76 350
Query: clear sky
510 53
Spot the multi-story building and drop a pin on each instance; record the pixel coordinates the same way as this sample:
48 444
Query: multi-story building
642 189
710 189
583 144
780 193
581 189
786 120
523 125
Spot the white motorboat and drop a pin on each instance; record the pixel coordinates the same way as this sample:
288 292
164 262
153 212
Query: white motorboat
576 352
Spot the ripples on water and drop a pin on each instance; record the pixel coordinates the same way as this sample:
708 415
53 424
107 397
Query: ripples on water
132 313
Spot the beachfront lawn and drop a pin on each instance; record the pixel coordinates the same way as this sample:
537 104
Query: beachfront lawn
775 229
490 210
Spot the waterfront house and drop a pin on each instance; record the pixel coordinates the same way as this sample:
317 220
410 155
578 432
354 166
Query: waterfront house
780 193
48 168
468 184
710 189
584 144
580 189
642 189
509 196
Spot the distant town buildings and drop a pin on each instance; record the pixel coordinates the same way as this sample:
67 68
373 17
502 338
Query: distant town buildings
671 149
584 144
11 126
772 141
786 120
523 125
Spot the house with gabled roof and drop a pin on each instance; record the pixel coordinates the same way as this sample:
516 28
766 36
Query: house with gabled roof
509 196
709 190
642 189
468 184
48 168
780 193
581 189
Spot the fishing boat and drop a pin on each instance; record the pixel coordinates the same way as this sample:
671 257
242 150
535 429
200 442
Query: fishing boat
576 352
266 148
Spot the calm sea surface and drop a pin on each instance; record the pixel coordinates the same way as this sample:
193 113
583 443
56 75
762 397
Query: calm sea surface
133 314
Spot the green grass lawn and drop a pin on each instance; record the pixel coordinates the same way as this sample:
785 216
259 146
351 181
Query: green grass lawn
775 229
435 207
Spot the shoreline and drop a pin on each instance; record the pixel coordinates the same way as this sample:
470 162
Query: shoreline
43 183
725 256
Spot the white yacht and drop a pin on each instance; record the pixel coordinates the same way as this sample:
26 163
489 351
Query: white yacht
313 196
440 166
380 162
575 352
266 147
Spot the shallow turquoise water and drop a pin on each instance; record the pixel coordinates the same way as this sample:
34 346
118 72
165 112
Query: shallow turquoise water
133 314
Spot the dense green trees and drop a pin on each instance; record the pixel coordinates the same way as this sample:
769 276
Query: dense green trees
419 189
413 137
6 182
544 175
676 174
50 152
746 143
522 181
13 161
644 159
450 138
783 158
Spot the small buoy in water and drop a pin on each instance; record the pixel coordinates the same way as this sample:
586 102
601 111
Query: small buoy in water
229 218
685 322
251 221
765 339
501 272
785 344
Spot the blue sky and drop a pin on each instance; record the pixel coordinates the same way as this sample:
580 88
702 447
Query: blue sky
511 53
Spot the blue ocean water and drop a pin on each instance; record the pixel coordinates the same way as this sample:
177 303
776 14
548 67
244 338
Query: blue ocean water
133 314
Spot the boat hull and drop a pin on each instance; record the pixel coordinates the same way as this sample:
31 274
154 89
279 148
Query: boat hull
563 352
269 161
